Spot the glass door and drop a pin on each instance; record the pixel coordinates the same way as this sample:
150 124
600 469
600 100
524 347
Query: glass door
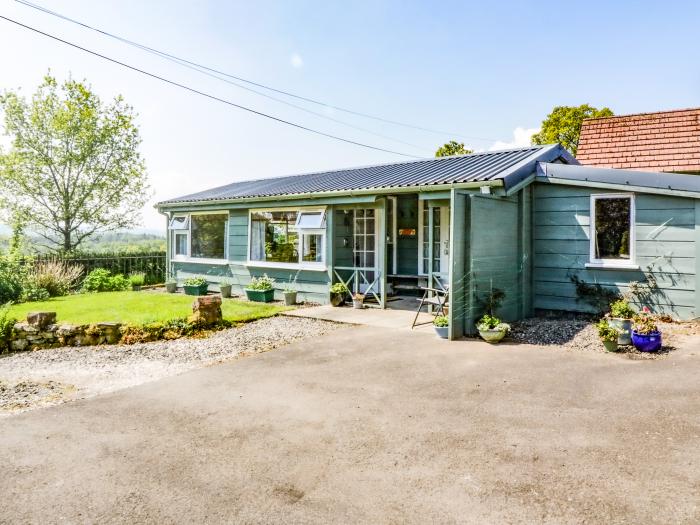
365 246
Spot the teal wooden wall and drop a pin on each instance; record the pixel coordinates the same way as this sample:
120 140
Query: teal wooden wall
311 285
666 248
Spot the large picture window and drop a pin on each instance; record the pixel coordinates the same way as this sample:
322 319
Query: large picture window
284 237
612 229
199 236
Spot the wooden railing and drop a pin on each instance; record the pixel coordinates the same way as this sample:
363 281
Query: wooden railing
358 278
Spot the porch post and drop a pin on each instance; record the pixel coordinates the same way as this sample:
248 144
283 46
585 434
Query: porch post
382 255
459 265
330 242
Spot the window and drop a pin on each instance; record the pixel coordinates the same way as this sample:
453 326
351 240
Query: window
199 236
612 229
283 237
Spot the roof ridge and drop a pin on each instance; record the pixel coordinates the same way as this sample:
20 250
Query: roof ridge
643 114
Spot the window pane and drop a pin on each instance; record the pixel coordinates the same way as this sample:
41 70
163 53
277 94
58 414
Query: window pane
274 237
180 244
310 220
312 248
179 222
612 228
209 236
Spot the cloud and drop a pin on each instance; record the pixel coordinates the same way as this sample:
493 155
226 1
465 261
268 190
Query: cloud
521 139
296 60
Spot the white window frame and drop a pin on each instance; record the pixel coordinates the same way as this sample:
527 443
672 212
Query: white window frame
444 216
593 262
179 231
299 265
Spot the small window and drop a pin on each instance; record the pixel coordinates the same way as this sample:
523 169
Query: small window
180 245
208 236
312 247
180 222
612 227
310 220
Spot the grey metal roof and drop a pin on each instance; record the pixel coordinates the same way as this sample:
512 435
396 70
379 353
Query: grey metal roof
507 165
662 182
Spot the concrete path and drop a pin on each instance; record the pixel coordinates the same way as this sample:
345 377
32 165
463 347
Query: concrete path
376 426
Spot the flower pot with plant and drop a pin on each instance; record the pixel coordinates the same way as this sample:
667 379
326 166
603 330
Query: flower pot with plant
195 286
358 301
441 323
338 293
646 336
289 292
171 285
261 289
621 314
608 334
225 286
491 329
137 280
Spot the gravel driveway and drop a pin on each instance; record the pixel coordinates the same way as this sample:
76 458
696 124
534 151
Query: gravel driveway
47 377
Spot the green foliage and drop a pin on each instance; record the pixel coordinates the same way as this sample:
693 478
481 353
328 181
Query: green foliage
339 288
137 279
596 295
488 322
644 324
607 332
57 277
101 280
261 283
13 277
194 281
7 323
31 292
563 125
491 301
622 309
452 148
73 169
441 321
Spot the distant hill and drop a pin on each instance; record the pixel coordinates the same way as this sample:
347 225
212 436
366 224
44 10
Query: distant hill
131 241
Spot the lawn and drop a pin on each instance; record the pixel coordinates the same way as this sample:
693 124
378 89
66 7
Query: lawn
136 308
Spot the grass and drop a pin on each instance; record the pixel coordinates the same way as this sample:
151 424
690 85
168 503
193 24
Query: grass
136 308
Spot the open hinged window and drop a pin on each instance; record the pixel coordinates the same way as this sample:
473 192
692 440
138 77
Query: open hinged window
180 222
311 220
612 230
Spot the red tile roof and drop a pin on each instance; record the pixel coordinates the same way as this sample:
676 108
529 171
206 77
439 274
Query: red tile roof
663 141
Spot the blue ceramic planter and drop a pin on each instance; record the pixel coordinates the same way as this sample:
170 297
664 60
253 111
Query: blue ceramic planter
647 342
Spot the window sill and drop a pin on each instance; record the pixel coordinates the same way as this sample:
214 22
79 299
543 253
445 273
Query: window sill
199 260
287 266
611 266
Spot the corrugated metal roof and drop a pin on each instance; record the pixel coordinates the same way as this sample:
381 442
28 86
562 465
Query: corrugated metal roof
477 167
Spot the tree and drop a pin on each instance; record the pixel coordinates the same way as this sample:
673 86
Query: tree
74 169
563 125
452 148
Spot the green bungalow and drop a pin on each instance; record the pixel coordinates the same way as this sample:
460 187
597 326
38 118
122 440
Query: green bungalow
529 222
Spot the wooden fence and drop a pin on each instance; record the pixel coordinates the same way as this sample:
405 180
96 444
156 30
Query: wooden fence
150 263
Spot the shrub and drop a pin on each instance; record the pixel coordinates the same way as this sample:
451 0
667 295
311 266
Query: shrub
7 325
32 292
261 283
622 309
56 277
137 279
194 281
607 332
489 322
13 277
101 280
441 321
339 288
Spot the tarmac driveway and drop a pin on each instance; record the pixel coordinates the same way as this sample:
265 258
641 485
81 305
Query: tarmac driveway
372 425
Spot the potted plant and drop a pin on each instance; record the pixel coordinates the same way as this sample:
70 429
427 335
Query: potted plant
338 293
441 323
171 285
137 280
608 334
621 314
195 286
645 334
261 289
491 329
358 301
225 287
290 296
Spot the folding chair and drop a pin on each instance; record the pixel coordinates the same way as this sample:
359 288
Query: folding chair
432 297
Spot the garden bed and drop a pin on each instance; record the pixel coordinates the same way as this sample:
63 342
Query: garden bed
579 333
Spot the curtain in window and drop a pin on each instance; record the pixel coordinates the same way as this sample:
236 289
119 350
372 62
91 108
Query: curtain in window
257 241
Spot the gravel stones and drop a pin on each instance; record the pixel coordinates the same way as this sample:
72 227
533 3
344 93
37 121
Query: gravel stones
100 369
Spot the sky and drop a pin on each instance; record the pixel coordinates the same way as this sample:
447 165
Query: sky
483 73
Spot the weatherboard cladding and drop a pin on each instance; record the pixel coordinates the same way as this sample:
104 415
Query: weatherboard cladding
477 167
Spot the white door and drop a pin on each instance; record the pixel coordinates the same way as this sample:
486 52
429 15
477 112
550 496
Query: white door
365 247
